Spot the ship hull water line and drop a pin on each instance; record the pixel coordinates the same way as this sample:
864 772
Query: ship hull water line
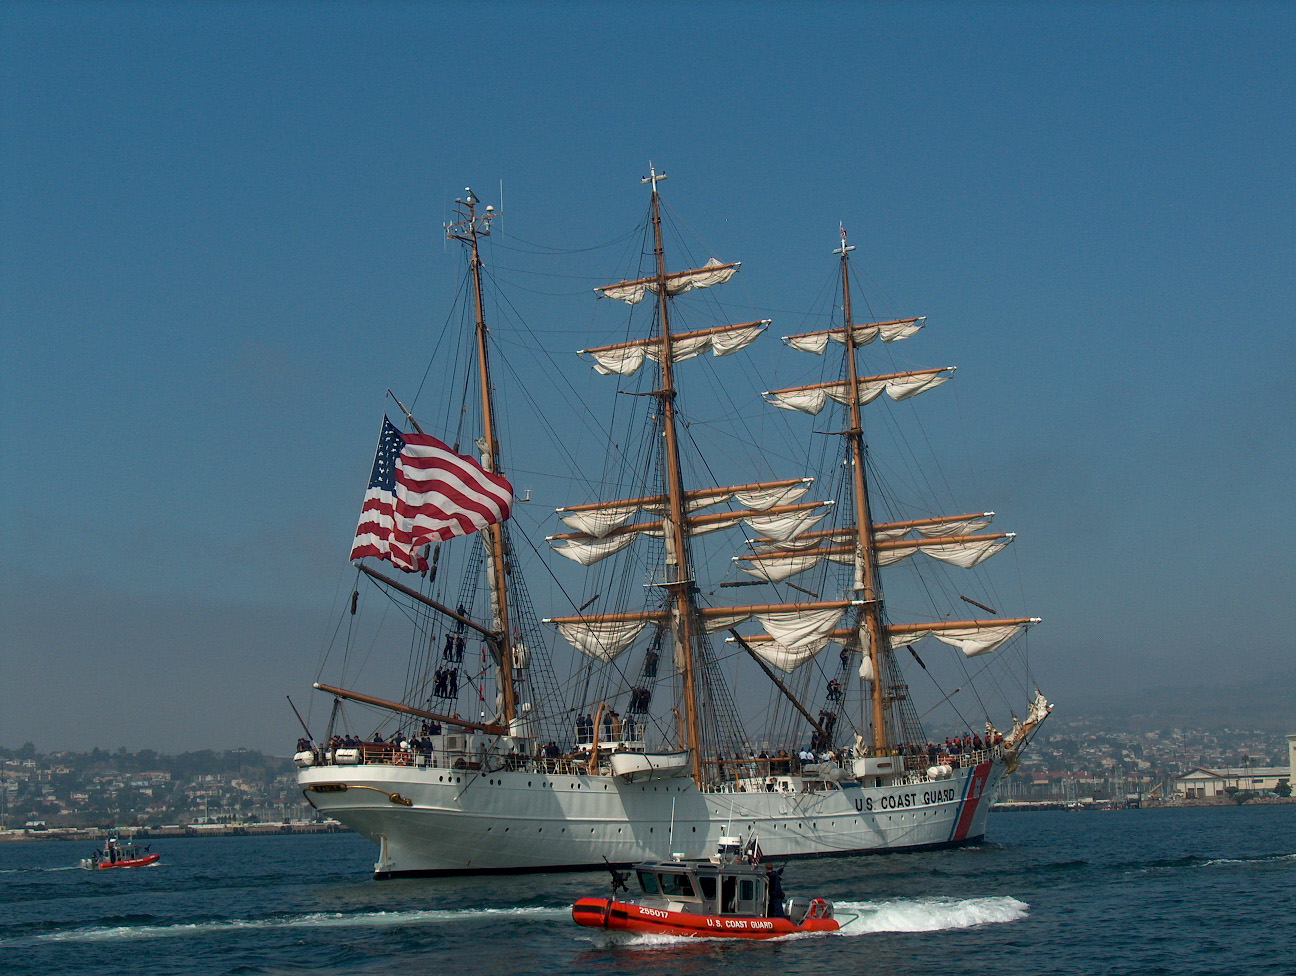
642 753
467 821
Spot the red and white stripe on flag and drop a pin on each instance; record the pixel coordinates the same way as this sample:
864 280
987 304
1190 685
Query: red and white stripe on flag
420 492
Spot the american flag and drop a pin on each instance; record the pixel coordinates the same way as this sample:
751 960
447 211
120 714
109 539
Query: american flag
422 491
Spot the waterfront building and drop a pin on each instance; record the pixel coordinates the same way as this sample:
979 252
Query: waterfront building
1200 782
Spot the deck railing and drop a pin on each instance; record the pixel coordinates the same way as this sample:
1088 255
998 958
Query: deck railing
728 772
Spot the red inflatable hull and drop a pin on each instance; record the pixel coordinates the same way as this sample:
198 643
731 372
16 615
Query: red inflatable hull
623 916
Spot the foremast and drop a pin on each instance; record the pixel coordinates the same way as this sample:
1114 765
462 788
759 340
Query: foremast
468 229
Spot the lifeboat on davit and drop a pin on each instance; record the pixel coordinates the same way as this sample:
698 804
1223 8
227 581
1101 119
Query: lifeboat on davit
729 895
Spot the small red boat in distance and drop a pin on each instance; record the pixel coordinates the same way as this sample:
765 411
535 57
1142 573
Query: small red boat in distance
115 854
729 895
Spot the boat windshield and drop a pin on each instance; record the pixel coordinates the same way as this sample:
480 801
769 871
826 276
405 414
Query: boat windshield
677 884
648 882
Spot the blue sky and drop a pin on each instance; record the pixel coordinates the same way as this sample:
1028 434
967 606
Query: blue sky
221 241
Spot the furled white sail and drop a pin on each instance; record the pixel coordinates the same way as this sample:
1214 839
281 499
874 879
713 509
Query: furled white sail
887 534
782 521
626 358
781 568
601 640
977 638
691 504
795 628
965 553
718 520
937 527
898 386
785 527
588 553
760 500
714 272
817 342
777 568
599 518
788 657
623 360
716 619
804 634
599 522
806 540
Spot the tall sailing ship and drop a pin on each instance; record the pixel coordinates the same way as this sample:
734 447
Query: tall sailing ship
687 715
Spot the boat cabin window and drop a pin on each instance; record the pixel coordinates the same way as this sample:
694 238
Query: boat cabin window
648 882
676 884
741 896
708 885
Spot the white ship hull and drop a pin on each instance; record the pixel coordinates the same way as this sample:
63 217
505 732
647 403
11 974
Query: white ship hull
434 820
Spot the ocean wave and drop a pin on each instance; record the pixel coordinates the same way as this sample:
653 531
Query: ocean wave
928 914
1201 861
106 931
1255 859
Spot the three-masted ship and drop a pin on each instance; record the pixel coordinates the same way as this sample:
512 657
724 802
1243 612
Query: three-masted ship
644 750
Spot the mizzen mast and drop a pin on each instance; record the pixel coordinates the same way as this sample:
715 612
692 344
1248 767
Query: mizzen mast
472 225
866 580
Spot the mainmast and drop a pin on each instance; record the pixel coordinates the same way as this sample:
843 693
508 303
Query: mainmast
866 557
681 585
471 226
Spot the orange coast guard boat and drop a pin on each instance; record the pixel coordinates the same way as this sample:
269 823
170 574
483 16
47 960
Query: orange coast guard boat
729 895
115 854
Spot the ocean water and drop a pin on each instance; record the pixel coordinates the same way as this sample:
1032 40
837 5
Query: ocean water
1147 892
